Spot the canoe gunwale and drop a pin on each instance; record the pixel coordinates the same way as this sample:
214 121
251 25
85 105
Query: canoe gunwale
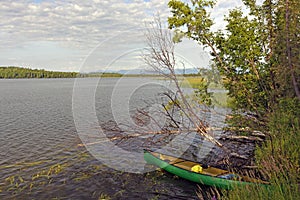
205 179
172 164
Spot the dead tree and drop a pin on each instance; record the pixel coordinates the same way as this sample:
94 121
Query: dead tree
160 56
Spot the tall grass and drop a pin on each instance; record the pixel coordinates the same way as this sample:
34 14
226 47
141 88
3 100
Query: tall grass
278 157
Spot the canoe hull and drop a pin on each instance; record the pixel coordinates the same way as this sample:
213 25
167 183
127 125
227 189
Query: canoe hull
192 176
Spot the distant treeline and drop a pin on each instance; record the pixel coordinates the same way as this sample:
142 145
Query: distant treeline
19 72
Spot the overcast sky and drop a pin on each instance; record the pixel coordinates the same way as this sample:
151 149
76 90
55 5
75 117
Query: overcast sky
86 35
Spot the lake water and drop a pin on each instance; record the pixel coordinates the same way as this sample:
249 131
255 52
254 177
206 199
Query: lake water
41 156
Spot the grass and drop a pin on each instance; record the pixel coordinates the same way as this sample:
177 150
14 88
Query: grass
104 197
278 157
32 176
192 81
219 99
198 82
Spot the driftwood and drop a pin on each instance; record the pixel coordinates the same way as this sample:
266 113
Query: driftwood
250 167
246 129
134 135
238 156
242 138
258 134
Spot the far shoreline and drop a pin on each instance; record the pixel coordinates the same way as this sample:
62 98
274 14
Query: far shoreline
11 72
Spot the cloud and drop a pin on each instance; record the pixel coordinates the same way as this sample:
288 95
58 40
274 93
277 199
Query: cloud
66 31
74 22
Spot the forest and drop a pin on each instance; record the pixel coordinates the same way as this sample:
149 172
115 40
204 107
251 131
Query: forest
19 72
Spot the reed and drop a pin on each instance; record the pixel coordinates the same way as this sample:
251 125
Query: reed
278 157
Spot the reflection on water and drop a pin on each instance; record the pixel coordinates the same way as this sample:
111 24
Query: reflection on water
40 155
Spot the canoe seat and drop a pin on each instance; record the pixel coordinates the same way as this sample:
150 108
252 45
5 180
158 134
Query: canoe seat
176 161
187 165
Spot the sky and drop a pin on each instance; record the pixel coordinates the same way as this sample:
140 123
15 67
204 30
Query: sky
89 35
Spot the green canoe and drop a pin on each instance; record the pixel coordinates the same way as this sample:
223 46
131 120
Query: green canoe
210 176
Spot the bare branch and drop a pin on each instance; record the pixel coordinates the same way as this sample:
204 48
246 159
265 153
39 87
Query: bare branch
160 56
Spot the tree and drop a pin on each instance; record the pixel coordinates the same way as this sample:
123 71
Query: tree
252 53
160 56
288 47
259 55
18 72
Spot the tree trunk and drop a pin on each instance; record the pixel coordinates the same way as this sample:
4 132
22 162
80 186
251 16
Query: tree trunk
289 49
